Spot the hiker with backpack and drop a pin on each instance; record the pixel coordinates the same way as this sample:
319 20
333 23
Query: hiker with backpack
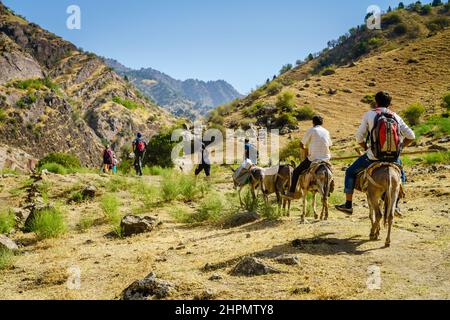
251 152
108 158
139 148
205 163
383 134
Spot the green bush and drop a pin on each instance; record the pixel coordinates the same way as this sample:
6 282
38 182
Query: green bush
291 151
413 113
369 99
6 258
210 209
7 221
286 68
66 160
285 101
110 206
446 99
161 146
438 24
85 223
426 9
400 29
48 223
274 88
3 116
269 212
304 113
35 84
169 188
438 126
129 104
54 168
26 101
286 119
390 19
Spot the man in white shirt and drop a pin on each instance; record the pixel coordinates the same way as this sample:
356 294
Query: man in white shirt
383 101
316 143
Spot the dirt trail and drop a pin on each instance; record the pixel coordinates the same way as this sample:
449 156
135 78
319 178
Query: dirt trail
334 255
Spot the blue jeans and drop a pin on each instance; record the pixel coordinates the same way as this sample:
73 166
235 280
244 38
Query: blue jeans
359 165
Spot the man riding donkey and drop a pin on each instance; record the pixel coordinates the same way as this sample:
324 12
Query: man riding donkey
314 174
383 135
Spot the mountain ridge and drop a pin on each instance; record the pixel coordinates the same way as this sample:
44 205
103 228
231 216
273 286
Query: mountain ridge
190 98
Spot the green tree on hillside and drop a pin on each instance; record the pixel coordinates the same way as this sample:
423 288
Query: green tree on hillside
285 68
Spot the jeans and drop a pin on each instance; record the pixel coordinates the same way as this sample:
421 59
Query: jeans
203 166
297 172
359 165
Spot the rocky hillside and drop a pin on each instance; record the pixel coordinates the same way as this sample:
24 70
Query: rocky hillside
409 58
54 97
190 98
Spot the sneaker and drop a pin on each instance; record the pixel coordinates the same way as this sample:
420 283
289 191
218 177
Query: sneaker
343 208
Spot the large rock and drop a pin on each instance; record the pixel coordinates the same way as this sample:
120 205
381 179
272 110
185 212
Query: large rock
241 219
89 192
148 288
7 243
132 225
250 266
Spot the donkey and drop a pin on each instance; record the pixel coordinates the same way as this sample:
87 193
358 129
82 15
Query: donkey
318 179
255 182
384 183
279 184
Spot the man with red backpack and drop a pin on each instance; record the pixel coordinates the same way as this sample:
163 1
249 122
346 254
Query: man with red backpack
139 148
383 134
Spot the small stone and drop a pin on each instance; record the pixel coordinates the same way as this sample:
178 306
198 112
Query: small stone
288 259
303 290
89 192
132 225
208 294
215 277
148 288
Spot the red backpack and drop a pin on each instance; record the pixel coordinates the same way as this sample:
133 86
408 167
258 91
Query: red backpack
385 136
141 146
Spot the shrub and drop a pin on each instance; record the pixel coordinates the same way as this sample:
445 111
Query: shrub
413 113
285 68
3 115
7 221
328 71
36 84
304 113
400 30
375 42
274 88
285 101
438 24
286 119
85 223
54 168
446 99
426 9
269 212
110 205
438 126
369 99
66 160
169 188
6 258
26 101
390 19
211 209
48 223
129 104
291 150
161 146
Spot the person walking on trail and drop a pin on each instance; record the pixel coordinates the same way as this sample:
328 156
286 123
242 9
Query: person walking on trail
115 164
251 152
139 149
205 163
107 159
383 134
316 144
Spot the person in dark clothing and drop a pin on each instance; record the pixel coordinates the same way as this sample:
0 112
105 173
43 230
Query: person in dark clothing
205 163
108 159
139 149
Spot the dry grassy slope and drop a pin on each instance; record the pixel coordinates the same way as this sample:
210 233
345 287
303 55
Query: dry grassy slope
334 259
425 82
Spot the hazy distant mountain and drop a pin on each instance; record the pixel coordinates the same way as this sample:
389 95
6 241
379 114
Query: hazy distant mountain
190 98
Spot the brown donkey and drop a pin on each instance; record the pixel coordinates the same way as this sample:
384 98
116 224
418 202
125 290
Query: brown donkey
384 183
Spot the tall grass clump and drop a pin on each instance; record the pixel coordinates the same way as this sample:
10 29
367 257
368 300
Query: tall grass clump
210 209
413 113
48 223
439 157
7 221
54 168
6 258
156 171
435 125
110 206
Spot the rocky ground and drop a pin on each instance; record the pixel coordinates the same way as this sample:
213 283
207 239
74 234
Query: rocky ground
260 260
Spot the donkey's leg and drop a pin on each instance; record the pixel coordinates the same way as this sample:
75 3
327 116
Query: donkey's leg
240 197
324 214
305 203
375 217
289 208
391 213
314 206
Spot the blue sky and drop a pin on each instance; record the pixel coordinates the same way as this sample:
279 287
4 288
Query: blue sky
241 41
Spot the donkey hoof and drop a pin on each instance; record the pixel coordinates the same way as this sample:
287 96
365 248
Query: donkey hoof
387 245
